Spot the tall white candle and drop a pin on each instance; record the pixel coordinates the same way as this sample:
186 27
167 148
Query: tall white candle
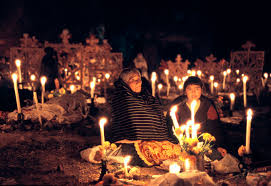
173 116
43 81
15 77
187 165
212 83
153 79
92 87
18 65
167 81
195 128
245 78
102 122
216 86
224 80
193 108
248 131
126 161
160 86
232 97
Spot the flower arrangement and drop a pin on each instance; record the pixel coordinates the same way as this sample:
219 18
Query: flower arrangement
56 93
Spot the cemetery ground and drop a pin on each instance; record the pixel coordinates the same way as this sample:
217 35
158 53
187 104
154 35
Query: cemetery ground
51 156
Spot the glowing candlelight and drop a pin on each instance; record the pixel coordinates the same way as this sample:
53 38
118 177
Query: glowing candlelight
92 87
160 86
216 85
193 108
18 65
173 116
126 161
187 165
194 130
72 88
189 72
102 122
245 78
232 97
228 71
237 71
153 79
199 73
43 80
249 118
66 72
188 125
180 86
224 80
193 73
265 78
212 83
33 78
238 80
174 168
167 80
107 76
175 78
15 77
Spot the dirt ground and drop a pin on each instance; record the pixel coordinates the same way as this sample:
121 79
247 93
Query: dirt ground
52 157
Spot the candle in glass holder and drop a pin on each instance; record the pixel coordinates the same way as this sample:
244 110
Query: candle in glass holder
153 79
15 77
18 65
43 80
248 130
245 78
126 161
224 80
174 168
212 83
232 97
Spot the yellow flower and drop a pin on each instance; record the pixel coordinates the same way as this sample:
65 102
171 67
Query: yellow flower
208 137
192 142
50 96
106 144
62 91
113 146
197 150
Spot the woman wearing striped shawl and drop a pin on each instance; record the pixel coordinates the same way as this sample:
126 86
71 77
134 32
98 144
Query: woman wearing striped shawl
138 123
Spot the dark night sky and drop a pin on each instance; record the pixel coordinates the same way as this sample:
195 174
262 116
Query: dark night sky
196 28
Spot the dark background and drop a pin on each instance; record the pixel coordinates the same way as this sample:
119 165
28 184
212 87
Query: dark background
160 30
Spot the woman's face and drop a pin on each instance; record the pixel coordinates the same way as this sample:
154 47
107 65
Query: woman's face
193 92
135 83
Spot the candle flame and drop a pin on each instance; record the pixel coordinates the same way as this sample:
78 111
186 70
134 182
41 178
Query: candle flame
166 71
193 73
102 121
238 80
225 73
199 73
33 77
212 78
72 87
92 84
65 70
228 71
107 76
160 86
14 77
180 86
126 160
245 78
232 96
249 113
173 109
174 168
237 71
153 76
175 78
215 84
18 62
43 80
265 75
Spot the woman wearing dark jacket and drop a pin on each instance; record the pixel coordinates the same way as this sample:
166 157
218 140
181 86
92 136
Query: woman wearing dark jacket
137 116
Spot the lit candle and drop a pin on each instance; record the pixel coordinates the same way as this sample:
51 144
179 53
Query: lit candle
237 81
193 108
160 86
43 81
199 73
180 86
174 168
189 125
18 65
92 87
167 80
245 78
224 80
66 72
189 72
249 118
33 78
126 161
265 78
107 76
153 79
175 78
173 116
193 73
232 97
187 164
215 85
72 88
237 71
212 83
15 77
102 122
